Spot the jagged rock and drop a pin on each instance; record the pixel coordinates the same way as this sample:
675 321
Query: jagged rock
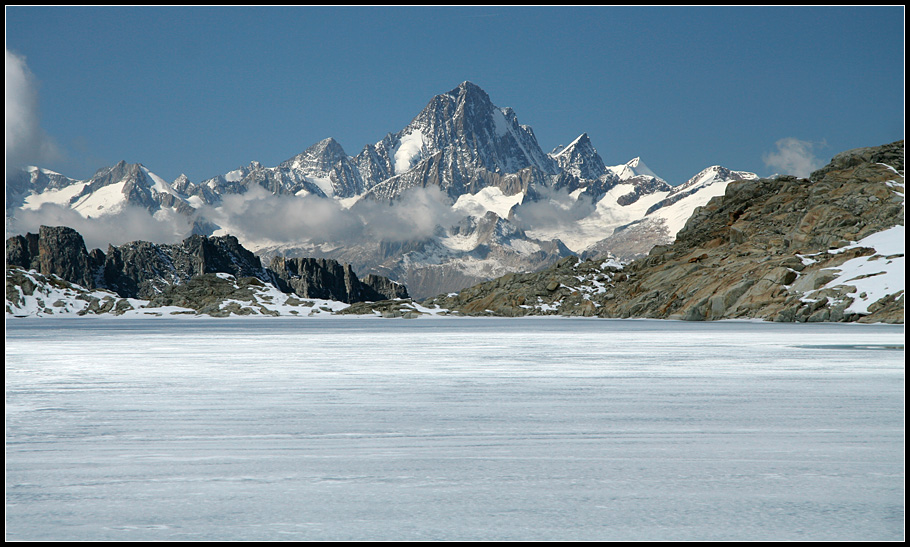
328 279
385 287
20 250
61 252
142 269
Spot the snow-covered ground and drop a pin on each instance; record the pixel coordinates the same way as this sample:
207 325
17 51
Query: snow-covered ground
876 276
453 429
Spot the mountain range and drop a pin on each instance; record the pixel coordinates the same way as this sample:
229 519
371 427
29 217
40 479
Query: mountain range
826 248
460 195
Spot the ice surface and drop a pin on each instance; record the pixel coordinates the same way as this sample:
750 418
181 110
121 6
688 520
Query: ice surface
453 429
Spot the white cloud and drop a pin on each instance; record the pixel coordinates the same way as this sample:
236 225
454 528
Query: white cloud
26 142
553 209
260 216
129 224
794 157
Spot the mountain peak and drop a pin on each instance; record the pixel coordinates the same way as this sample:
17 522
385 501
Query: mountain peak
327 147
466 86
580 141
468 130
580 158
633 168
712 175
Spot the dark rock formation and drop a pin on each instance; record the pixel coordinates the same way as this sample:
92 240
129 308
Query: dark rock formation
141 269
329 280
385 287
54 250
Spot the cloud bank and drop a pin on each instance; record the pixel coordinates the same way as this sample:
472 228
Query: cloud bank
26 142
129 224
262 218
794 157
259 218
553 209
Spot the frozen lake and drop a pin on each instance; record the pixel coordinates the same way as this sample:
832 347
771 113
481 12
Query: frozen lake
452 429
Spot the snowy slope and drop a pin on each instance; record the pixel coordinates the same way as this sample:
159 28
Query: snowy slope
874 277
55 297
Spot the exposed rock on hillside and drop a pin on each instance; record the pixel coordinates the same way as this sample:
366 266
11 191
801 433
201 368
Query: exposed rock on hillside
29 292
768 248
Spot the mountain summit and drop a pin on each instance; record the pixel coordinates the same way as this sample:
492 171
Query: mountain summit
579 158
459 142
461 194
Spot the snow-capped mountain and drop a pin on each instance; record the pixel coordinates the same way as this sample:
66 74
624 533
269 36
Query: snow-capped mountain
461 194
108 192
632 169
460 142
326 164
579 158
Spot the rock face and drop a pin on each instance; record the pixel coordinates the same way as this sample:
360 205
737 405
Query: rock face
143 270
56 251
768 249
385 287
329 280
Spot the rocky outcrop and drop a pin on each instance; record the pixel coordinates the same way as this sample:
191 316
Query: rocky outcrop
767 248
214 295
330 280
385 287
889 154
389 309
32 293
54 250
570 287
141 269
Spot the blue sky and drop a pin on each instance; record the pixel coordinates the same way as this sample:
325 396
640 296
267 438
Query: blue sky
203 91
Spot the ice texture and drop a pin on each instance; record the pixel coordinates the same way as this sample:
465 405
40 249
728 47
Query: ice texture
453 429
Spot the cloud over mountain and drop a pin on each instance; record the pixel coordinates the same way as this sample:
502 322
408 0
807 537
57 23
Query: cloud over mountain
794 157
26 141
